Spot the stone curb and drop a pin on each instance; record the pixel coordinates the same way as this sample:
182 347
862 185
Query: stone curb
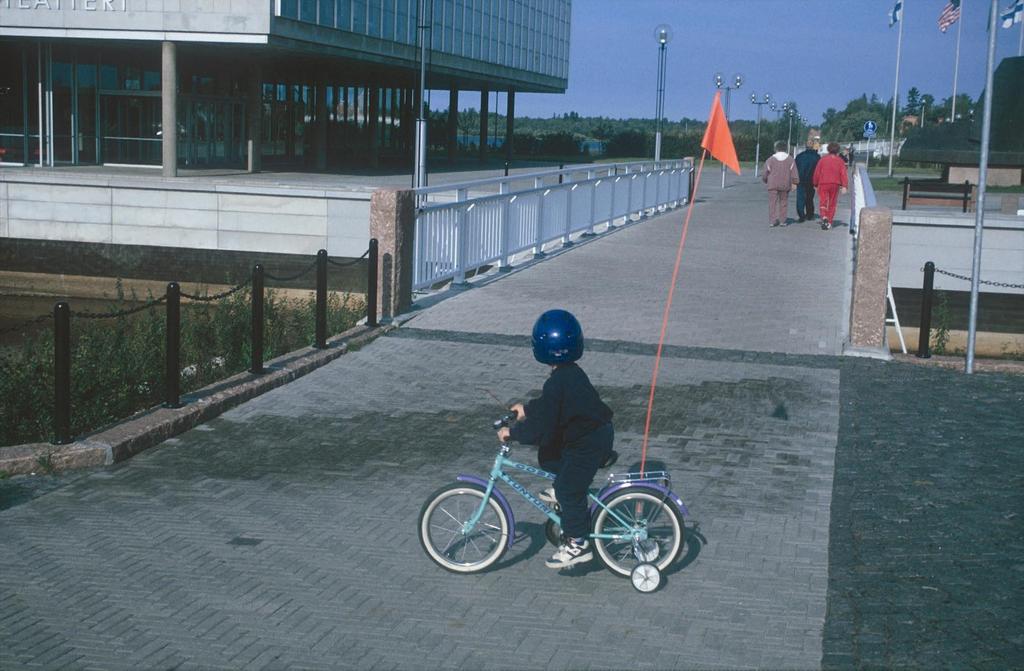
149 428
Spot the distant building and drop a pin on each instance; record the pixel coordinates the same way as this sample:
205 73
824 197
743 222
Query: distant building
309 84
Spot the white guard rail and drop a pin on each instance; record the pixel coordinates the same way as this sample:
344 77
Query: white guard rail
454 237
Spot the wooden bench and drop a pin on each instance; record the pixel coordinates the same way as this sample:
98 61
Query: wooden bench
938 192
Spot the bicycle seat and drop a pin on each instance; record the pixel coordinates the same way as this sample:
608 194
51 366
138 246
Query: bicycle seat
610 461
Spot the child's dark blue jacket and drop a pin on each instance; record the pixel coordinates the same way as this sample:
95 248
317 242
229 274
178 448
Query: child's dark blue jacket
567 409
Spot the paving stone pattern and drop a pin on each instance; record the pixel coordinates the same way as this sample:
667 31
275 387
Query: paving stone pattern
283 534
927 541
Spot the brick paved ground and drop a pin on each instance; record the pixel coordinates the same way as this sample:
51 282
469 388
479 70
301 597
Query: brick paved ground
282 535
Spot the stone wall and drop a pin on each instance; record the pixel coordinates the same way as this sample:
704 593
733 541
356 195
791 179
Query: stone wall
184 214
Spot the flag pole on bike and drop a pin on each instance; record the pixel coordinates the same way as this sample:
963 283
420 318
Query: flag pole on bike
717 141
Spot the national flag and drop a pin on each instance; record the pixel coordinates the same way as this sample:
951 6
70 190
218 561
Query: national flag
896 14
717 138
1013 14
950 14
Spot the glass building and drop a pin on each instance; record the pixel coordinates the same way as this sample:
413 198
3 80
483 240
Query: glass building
309 84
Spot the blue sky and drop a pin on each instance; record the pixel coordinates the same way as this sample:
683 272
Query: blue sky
820 53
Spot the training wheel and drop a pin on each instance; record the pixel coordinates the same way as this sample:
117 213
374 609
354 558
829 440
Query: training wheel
646 577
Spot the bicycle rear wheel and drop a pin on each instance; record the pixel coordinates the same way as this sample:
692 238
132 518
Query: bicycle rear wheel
639 508
446 539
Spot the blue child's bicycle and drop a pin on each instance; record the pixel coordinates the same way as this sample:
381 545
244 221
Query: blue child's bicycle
637 521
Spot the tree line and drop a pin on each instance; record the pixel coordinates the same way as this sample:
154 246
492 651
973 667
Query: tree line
571 135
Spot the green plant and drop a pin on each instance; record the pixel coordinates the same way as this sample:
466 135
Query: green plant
942 316
45 463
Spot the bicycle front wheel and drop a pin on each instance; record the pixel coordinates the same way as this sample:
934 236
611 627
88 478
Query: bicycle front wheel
637 508
445 534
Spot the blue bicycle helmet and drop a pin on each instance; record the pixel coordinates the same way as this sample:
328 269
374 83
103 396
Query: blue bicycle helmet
557 338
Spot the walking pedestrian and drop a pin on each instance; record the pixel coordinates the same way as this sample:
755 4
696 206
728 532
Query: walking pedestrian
806 162
829 179
781 176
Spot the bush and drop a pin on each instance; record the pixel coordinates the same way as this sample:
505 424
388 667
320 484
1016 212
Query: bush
117 364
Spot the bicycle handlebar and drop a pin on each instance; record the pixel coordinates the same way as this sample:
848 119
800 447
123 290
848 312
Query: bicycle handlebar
507 419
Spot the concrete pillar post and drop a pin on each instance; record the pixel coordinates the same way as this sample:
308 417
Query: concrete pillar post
169 108
320 137
254 115
392 222
485 96
871 281
510 115
453 123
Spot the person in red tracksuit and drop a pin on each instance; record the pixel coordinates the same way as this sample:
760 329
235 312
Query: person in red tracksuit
829 178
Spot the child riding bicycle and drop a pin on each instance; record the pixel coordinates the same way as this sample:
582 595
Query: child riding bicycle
571 427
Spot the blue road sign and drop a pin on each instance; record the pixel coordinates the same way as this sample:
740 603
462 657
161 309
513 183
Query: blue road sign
869 128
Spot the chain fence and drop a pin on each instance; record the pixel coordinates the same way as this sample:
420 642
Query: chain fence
65 425
967 278
344 264
215 297
120 313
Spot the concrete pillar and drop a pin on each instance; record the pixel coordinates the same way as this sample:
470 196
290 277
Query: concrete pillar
453 124
510 115
320 138
392 222
871 280
372 135
485 96
169 108
254 119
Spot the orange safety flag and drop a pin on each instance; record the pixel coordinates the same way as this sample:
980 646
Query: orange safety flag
717 138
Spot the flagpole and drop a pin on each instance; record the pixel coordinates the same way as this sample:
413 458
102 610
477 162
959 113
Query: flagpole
979 207
896 87
1020 44
956 63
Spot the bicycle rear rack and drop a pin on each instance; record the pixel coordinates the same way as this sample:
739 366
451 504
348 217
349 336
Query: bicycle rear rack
659 477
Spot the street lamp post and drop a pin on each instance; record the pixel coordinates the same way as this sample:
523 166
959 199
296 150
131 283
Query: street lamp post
737 81
663 33
420 179
789 138
757 150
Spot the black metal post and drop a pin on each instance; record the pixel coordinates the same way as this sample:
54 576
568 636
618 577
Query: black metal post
61 373
925 329
321 299
561 166
906 191
371 284
689 196
967 194
506 168
256 366
172 368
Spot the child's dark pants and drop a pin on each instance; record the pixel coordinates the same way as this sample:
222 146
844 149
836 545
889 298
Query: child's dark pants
576 469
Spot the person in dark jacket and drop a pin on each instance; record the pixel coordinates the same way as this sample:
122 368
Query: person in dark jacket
806 162
570 425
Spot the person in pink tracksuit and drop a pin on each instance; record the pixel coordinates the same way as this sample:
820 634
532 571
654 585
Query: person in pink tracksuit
781 176
829 178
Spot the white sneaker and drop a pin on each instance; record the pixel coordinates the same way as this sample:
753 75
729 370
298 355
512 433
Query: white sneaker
569 553
548 495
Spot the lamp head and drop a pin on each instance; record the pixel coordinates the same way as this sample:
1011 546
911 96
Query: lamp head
719 80
663 33
738 81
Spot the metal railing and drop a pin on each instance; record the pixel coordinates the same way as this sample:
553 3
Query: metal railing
453 237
